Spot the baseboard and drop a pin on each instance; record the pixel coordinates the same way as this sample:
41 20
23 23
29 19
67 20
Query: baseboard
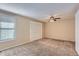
32 41
11 47
59 39
17 45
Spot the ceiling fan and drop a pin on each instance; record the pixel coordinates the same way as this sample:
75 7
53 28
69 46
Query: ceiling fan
52 19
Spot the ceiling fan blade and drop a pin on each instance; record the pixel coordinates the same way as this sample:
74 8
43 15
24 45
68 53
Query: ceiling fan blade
57 18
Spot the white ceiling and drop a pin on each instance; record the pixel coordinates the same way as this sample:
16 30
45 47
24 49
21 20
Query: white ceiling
37 10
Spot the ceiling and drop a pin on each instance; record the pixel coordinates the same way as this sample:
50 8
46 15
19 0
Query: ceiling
38 11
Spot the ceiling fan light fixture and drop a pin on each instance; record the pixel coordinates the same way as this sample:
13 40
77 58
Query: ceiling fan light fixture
51 20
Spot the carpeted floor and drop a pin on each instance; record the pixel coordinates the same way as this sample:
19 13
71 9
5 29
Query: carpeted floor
43 47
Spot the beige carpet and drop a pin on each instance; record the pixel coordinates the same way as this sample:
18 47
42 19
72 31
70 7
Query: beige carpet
44 47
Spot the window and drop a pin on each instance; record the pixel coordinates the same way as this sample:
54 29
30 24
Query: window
7 29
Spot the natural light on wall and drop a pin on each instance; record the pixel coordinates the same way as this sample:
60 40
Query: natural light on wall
7 28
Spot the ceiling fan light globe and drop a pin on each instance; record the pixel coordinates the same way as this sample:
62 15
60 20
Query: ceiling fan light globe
51 21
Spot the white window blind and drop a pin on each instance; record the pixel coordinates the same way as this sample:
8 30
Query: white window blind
7 28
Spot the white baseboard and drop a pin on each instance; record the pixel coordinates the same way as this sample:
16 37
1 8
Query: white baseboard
11 47
16 45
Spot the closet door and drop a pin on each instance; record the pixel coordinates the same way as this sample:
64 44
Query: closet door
35 30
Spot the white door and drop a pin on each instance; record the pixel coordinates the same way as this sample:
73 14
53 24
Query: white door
35 30
77 31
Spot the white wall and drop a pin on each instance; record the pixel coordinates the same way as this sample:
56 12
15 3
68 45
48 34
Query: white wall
62 29
22 32
77 31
